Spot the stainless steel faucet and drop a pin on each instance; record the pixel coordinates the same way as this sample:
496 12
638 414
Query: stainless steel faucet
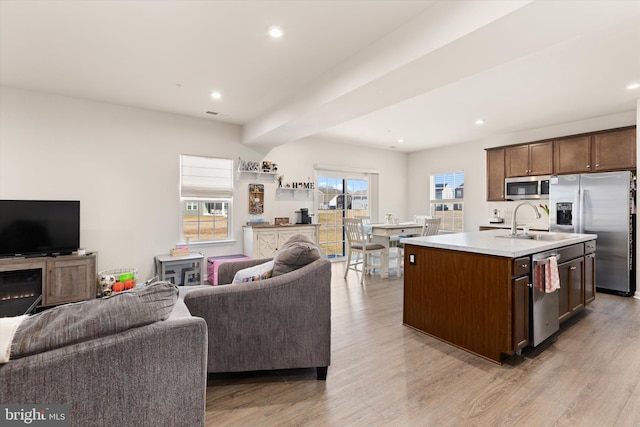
514 224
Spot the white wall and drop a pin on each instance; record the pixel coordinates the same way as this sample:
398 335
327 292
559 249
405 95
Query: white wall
296 161
123 165
471 158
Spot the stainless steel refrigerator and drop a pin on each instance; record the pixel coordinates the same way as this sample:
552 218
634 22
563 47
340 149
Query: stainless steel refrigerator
602 204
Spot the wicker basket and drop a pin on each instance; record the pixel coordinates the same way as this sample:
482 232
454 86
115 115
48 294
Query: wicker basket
114 280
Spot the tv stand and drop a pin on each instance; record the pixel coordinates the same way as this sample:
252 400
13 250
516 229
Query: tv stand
65 278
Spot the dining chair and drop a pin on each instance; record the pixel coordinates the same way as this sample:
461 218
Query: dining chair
431 226
419 219
359 244
366 224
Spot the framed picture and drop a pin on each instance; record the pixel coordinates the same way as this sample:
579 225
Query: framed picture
256 199
281 221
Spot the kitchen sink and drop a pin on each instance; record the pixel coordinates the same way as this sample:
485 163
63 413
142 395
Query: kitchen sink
538 236
555 236
517 236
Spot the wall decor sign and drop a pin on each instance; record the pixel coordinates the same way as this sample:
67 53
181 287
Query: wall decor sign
248 166
264 166
303 185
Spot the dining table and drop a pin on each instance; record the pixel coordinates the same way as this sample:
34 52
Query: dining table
382 234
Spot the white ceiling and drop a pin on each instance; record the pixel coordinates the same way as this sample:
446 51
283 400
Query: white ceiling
366 72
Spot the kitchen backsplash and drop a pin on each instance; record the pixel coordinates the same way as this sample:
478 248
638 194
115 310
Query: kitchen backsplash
525 213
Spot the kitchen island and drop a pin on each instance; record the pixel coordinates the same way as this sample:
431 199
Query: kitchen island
473 290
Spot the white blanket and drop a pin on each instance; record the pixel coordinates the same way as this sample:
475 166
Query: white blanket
8 328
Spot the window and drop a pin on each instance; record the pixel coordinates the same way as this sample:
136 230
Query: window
206 190
447 200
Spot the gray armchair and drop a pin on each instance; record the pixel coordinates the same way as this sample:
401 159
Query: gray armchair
278 323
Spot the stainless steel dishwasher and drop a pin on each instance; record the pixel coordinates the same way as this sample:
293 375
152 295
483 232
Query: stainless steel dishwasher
544 312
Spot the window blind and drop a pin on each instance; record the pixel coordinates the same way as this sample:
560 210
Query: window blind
206 177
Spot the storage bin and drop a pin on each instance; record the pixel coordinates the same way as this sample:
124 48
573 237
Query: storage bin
214 262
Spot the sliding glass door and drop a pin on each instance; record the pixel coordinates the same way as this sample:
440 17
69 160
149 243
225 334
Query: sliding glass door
339 197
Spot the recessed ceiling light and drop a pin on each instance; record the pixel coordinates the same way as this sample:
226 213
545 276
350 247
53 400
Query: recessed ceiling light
275 32
216 95
633 86
479 122
401 141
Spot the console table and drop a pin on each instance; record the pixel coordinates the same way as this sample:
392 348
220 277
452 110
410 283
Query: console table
263 241
64 278
181 269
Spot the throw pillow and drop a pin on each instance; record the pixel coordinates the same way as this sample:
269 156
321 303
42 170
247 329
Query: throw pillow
297 252
83 321
255 273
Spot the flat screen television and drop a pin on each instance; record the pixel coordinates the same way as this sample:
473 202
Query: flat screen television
39 227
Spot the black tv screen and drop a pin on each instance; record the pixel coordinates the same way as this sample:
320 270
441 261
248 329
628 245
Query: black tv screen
39 227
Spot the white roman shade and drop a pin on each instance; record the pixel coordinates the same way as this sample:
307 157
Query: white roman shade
206 177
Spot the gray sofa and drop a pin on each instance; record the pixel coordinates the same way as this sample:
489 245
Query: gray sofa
149 375
281 322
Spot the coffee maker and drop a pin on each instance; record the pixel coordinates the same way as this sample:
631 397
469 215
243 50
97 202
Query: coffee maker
302 216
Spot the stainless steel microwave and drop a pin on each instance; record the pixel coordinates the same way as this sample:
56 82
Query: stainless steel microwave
527 188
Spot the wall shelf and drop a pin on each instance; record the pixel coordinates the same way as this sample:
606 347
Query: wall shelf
294 193
256 176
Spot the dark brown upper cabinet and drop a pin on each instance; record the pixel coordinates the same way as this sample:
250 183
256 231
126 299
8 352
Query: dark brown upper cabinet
572 155
599 152
529 159
495 174
614 150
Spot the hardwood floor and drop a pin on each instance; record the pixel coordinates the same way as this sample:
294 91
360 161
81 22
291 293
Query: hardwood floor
383 373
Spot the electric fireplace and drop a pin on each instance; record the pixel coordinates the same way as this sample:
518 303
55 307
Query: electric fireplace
20 291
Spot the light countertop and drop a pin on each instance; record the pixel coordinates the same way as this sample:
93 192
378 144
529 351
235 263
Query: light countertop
267 225
488 242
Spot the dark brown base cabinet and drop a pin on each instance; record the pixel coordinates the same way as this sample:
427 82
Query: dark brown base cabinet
589 278
577 279
473 301
570 295
481 303
521 284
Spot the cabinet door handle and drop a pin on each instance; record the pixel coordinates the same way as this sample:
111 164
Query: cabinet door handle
588 166
529 285
597 164
524 266
572 267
